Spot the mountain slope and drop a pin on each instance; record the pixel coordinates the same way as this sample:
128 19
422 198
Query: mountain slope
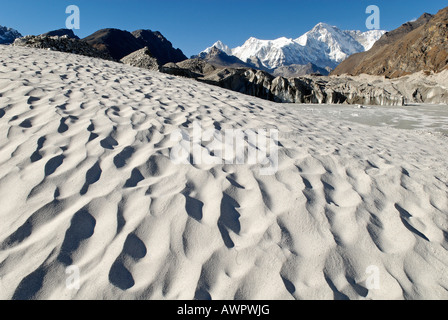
160 47
8 35
117 43
415 46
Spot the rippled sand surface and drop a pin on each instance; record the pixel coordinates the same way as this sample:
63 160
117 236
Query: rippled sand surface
354 211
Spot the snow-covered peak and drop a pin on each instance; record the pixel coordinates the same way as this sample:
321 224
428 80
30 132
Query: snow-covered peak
367 39
8 35
334 42
323 25
218 45
318 30
271 53
253 39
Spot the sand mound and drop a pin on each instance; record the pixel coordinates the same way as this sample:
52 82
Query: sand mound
87 184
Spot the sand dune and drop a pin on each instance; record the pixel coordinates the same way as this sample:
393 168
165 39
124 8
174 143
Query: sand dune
86 181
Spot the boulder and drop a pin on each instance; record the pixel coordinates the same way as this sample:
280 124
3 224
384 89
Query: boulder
142 59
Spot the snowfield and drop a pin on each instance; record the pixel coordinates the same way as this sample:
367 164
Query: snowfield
92 206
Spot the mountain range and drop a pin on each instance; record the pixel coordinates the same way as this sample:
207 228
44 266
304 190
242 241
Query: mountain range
324 46
114 43
318 51
416 46
221 59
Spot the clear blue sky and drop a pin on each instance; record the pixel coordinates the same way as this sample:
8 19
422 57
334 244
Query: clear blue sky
193 25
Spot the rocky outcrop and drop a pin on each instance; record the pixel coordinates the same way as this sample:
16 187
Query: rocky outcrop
415 46
142 59
63 44
160 47
191 68
60 33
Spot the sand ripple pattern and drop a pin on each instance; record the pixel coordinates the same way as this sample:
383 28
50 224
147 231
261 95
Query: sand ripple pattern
86 180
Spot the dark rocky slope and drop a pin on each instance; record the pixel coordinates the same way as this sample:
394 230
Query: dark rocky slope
160 47
118 44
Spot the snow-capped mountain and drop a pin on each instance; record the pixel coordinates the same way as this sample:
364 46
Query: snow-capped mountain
367 39
324 46
218 45
8 35
329 43
272 53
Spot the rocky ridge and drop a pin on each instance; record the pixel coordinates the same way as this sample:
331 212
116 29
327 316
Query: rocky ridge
119 43
60 33
63 44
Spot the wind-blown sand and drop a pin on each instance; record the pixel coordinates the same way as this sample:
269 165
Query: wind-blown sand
86 180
